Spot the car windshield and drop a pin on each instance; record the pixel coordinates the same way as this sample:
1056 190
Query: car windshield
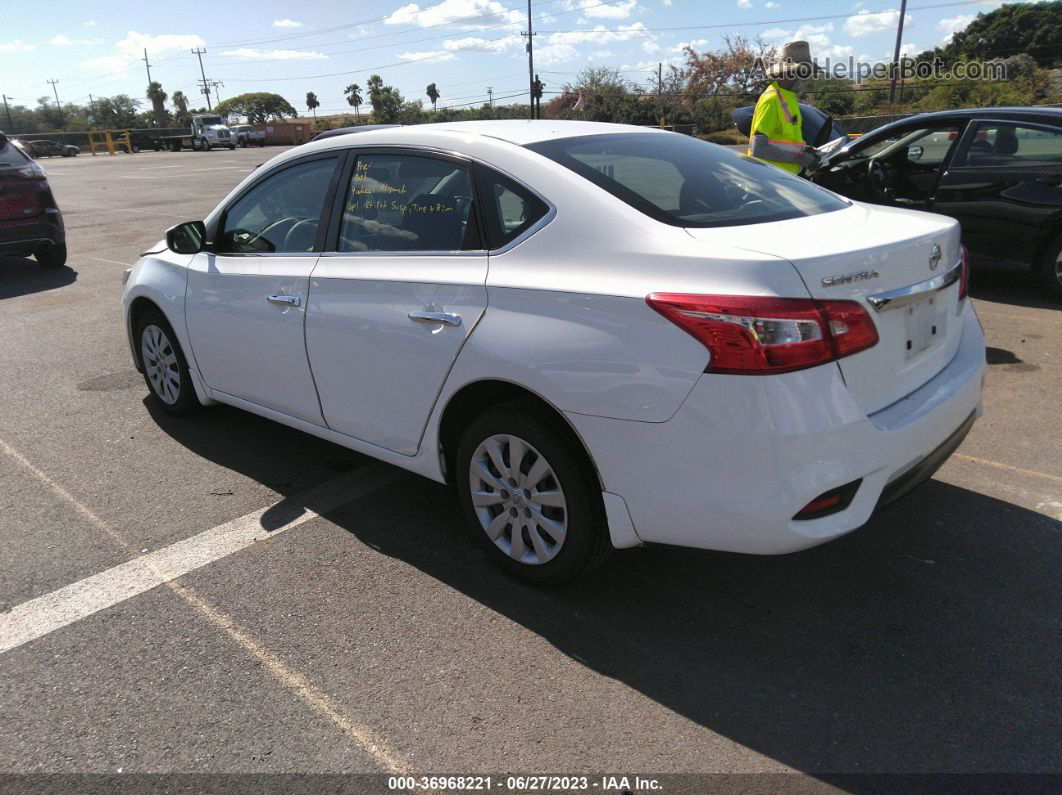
683 181
209 120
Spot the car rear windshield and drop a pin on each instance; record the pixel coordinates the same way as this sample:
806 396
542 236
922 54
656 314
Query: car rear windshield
683 181
11 156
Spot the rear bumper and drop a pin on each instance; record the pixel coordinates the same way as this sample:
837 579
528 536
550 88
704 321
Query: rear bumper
743 455
22 237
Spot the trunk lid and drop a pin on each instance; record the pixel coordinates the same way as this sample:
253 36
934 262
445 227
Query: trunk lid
863 253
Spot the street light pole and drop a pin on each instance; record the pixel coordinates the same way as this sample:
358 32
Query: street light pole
896 52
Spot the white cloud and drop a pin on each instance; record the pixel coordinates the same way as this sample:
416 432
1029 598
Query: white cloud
777 33
866 23
59 40
437 55
909 50
595 9
744 3
286 23
772 4
91 23
17 46
276 55
476 13
134 44
485 45
952 25
560 47
665 3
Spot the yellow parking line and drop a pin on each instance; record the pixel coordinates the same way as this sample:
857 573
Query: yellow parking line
285 674
1008 467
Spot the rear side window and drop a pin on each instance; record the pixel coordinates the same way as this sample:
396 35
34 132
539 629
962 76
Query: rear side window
994 144
281 213
682 181
510 210
409 203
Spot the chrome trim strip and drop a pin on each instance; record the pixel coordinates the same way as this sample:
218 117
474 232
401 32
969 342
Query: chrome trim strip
903 296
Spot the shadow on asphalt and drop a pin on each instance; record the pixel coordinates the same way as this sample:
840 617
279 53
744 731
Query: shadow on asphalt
22 276
1011 286
924 642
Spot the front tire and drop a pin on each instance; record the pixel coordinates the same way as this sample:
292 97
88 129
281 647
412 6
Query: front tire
204 145
165 368
1049 271
531 496
51 255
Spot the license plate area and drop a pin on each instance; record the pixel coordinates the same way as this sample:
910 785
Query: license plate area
925 326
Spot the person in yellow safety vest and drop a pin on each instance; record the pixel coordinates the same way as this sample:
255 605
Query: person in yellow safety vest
776 135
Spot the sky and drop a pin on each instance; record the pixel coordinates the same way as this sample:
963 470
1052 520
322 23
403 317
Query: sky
465 46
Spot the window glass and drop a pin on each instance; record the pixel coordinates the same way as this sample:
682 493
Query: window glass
512 208
408 203
684 181
1013 145
926 145
12 156
280 214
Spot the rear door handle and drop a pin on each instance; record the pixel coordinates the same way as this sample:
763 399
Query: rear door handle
446 318
284 300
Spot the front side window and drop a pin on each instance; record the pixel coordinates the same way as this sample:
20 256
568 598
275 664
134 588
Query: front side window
996 144
408 203
281 214
683 181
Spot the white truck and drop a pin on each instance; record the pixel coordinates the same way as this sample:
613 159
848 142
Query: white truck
246 135
207 131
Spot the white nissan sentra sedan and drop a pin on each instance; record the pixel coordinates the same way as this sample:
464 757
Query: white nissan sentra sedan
603 335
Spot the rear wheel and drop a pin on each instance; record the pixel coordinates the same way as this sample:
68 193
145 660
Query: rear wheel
531 495
165 368
51 255
1050 269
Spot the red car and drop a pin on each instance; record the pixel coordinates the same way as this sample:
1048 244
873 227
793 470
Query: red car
30 221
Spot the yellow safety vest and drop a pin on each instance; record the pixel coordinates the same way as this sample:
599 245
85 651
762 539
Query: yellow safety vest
777 116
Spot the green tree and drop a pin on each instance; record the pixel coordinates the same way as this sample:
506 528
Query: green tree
353 94
117 112
158 102
832 95
180 105
433 94
258 107
1033 28
387 101
312 103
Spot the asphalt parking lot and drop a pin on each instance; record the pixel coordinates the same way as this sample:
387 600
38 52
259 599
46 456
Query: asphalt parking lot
335 617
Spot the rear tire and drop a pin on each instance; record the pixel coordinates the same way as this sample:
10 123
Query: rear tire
165 368
51 255
540 516
1049 271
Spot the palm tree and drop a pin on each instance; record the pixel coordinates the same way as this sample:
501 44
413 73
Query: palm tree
158 101
180 104
353 92
312 103
433 94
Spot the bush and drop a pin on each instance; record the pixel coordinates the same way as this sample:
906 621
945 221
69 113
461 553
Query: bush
725 137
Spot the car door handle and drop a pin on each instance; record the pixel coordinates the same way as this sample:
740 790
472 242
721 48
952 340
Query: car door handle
284 300
446 318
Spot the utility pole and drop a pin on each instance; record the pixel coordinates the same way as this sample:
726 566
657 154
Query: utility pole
530 60
148 65
896 53
490 98
57 105
660 78
215 84
7 110
92 111
206 86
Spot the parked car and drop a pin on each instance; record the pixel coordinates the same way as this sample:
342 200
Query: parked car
245 135
46 148
30 221
998 171
347 130
602 335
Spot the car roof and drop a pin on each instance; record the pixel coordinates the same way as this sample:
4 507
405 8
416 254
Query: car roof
1026 113
516 131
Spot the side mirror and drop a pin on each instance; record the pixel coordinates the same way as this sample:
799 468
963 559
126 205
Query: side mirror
915 153
186 238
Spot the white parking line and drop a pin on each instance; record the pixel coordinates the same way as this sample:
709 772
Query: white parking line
45 614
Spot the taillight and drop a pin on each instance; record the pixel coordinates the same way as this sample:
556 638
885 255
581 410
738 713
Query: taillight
756 335
964 274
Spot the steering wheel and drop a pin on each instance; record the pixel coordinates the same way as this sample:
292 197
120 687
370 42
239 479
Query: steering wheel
879 181
291 237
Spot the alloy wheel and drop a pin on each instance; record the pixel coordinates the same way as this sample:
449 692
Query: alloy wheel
518 499
160 364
